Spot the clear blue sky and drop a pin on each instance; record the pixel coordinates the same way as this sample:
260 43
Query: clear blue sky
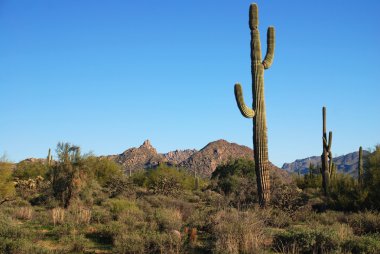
106 75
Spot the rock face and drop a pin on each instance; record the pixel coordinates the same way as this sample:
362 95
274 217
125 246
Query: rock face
177 156
134 159
345 164
205 161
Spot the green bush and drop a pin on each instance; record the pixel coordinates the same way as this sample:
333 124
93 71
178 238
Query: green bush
129 242
236 180
29 170
362 245
306 240
168 219
169 181
372 178
364 222
345 194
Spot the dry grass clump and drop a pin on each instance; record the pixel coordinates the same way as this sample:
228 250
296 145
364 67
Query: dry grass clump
24 213
58 215
237 232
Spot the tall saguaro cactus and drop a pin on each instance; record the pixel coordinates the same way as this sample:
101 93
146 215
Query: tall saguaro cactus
326 157
260 140
360 167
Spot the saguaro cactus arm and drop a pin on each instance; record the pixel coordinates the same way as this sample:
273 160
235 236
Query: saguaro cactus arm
268 60
328 144
245 111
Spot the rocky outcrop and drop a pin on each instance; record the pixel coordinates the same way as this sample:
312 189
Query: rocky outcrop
205 161
143 157
178 156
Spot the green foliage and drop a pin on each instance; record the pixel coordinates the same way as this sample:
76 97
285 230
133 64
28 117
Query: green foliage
28 170
288 198
67 175
7 188
362 245
345 194
102 169
372 178
167 180
313 179
306 240
367 222
236 179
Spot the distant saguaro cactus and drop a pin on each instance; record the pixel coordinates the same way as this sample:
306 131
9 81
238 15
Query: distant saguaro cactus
326 156
49 157
260 140
360 166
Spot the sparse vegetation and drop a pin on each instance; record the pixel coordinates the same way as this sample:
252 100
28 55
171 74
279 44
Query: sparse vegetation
160 211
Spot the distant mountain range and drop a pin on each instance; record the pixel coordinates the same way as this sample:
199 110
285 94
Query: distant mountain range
204 161
345 164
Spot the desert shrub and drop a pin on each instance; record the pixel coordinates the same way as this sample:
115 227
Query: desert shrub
75 243
139 178
102 170
288 198
273 217
330 217
200 218
100 215
129 242
306 240
91 193
372 178
364 222
106 233
345 194
30 189
168 219
169 181
7 189
236 180
237 232
312 179
118 207
30 169
119 186
68 175
20 246
80 215
362 245
24 213
16 239
163 242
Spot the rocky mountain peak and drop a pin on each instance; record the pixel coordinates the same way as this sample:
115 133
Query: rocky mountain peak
147 145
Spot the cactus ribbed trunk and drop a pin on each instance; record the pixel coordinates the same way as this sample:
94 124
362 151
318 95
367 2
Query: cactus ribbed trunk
326 156
360 167
260 140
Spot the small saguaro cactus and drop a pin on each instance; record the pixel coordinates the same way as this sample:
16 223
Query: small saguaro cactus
326 156
257 113
360 166
49 157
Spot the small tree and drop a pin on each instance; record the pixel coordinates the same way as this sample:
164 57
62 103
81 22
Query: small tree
67 173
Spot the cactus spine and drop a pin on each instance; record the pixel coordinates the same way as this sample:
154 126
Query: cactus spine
260 141
360 167
326 156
